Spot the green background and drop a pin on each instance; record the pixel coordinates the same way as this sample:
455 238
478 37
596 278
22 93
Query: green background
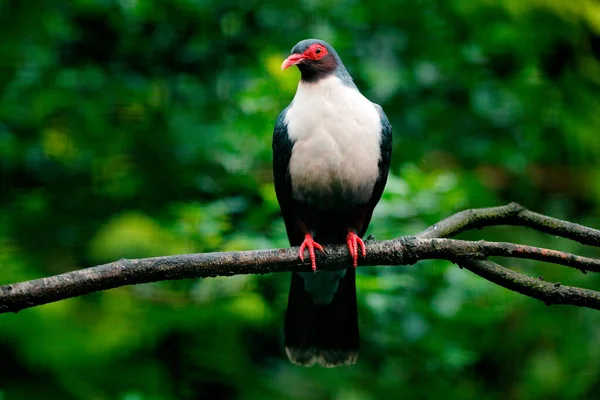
140 128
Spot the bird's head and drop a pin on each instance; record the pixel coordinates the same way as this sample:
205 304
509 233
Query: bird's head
316 59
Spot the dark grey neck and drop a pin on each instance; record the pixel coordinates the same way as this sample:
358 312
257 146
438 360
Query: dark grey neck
312 73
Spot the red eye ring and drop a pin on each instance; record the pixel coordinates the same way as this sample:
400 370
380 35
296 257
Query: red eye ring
315 52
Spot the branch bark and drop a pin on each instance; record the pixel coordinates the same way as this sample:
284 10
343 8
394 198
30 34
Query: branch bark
432 243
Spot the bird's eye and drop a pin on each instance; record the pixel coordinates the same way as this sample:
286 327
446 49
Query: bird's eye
318 50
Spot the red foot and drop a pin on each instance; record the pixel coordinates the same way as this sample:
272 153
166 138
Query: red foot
311 245
353 241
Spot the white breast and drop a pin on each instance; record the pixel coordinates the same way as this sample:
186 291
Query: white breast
336 133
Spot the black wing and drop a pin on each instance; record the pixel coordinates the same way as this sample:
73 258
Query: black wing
282 152
386 157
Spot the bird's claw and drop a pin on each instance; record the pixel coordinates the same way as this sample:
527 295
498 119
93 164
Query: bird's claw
353 242
311 245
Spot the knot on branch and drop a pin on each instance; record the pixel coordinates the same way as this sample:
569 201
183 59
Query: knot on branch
406 250
515 208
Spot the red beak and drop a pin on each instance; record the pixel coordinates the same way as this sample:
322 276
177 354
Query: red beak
292 60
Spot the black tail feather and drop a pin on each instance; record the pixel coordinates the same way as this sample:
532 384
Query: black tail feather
326 334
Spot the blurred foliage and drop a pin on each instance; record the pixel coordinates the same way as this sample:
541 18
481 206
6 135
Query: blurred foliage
137 128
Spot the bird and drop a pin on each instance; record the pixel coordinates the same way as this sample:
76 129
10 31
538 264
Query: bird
331 157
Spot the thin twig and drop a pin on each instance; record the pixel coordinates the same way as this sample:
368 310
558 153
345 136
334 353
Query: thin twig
511 214
452 249
548 292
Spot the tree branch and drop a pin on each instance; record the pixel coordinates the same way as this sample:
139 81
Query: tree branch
429 244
